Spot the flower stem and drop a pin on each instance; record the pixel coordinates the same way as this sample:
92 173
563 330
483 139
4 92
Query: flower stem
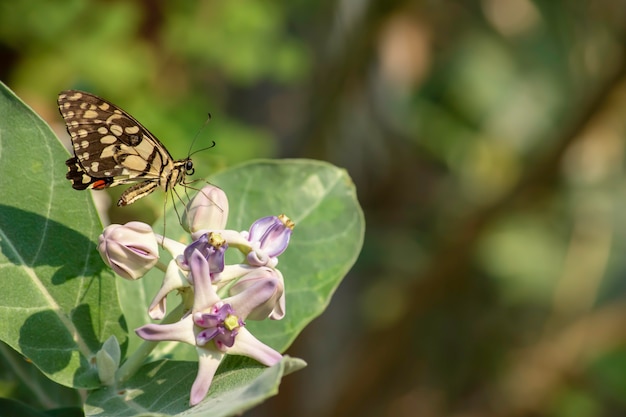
134 361
160 265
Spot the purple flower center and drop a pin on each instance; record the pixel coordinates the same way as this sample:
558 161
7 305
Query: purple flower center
221 326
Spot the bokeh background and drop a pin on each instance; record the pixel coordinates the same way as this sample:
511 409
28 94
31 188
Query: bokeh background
486 142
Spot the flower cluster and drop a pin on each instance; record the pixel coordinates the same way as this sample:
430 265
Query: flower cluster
217 298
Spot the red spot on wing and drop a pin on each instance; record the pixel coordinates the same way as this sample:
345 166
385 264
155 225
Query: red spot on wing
99 185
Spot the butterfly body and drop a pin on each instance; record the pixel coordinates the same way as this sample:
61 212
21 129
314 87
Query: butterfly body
112 148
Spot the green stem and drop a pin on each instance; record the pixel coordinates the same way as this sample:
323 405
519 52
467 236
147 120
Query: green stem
134 361
161 266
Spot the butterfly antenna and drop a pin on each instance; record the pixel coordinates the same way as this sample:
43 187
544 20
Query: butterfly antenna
195 137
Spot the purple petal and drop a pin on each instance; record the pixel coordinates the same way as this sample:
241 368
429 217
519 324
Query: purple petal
252 296
204 293
226 339
276 240
213 319
199 244
260 227
204 336
212 247
181 331
216 259
272 233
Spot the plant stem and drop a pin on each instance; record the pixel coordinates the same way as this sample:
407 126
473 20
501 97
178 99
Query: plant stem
134 361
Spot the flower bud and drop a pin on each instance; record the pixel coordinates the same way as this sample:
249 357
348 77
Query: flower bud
269 237
130 250
208 210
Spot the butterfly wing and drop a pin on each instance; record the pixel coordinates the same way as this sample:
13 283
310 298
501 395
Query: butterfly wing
110 146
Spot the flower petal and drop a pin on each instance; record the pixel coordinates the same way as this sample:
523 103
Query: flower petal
174 247
259 258
181 331
230 273
204 292
208 361
260 227
173 280
255 296
248 345
272 233
279 308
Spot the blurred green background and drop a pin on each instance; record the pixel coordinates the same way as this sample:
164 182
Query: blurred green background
486 141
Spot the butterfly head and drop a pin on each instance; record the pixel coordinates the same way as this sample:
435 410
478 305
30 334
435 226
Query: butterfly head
189 169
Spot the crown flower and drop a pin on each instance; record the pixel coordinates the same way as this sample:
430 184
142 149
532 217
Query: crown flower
215 326
216 298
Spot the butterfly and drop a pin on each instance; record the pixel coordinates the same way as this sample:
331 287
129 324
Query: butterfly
112 148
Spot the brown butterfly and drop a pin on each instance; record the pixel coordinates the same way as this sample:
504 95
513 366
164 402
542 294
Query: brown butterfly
112 148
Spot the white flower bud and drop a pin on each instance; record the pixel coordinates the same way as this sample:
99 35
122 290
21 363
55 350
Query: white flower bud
208 210
130 250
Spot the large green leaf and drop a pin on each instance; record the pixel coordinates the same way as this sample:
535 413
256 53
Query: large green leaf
58 301
162 389
321 199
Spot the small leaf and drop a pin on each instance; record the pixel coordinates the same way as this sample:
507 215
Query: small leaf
108 360
58 300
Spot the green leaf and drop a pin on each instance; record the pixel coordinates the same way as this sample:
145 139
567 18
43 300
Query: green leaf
321 199
170 396
22 381
15 408
58 300
59 303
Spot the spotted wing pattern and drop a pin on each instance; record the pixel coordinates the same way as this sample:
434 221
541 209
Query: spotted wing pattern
112 148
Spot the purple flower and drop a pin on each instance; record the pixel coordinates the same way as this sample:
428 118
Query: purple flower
212 247
221 326
215 326
130 250
268 237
